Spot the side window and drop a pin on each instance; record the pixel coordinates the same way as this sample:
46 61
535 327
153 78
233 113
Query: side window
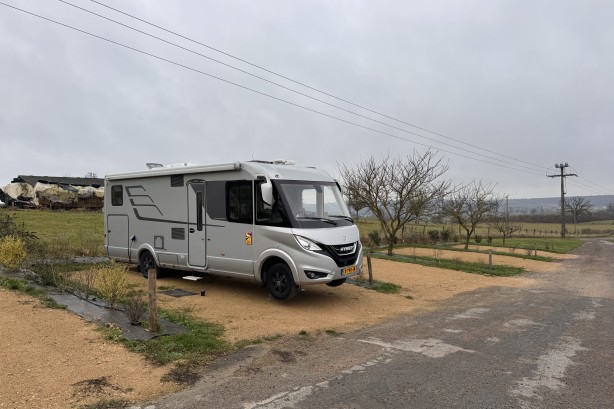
239 202
117 195
216 200
268 215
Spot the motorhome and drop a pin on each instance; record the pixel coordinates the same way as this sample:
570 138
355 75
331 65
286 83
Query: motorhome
284 226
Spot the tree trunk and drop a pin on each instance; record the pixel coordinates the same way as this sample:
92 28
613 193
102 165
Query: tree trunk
390 247
467 241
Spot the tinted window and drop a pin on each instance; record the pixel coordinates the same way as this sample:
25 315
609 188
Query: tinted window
239 203
216 200
117 195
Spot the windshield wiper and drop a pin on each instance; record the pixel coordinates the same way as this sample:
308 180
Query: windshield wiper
318 218
348 218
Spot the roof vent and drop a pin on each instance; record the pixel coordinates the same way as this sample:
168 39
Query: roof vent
283 162
152 165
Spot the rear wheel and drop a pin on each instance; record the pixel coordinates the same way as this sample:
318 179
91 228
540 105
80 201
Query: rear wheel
336 283
280 283
148 262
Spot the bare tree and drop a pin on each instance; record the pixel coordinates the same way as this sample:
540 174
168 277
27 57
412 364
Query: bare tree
397 191
577 206
469 205
355 203
501 223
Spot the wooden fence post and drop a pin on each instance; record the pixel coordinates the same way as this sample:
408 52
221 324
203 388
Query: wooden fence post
153 302
369 267
490 258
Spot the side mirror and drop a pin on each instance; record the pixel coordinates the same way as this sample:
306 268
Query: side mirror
267 192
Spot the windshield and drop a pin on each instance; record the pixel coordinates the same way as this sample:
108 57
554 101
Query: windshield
314 204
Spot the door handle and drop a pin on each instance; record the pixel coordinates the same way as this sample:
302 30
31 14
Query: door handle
192 230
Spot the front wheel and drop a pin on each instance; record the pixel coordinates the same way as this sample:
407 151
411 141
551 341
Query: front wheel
280 283
148 262
336 283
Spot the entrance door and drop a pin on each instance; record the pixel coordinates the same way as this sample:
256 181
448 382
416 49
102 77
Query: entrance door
197 236
117 236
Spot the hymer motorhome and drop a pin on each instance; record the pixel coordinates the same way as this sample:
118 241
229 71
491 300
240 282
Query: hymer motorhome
279 224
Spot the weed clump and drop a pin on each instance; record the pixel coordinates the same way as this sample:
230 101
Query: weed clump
112 283
12 252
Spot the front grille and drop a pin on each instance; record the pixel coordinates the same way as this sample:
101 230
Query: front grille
343 254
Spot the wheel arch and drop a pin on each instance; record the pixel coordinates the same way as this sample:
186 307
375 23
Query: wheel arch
143 248
269 258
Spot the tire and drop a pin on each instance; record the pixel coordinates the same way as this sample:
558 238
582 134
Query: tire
147 262
336 283
280 283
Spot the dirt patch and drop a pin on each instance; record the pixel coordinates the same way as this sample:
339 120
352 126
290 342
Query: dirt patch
37 343
247 312
54 359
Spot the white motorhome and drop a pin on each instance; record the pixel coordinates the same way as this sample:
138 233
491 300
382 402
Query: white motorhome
279 224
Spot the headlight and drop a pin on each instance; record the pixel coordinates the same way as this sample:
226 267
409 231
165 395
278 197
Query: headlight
307 244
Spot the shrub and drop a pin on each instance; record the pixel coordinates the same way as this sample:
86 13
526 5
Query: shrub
135 308
8 227
445 235
112 283
489 239
478 239
433 235
12 252
375 238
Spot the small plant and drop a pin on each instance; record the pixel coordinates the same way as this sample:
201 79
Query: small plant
12 252
135 307
445 235
437 253
478 238
333 332
489 239
375 238
529 252
303 333
112 283
434 235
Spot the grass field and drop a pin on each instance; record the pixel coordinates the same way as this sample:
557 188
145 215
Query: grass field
80 232
539 230
83 232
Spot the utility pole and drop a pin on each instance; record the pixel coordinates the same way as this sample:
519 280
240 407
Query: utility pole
563 175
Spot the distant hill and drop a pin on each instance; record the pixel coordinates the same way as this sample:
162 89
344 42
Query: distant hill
546 205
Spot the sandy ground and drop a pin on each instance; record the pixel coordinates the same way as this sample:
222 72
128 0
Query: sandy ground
53 359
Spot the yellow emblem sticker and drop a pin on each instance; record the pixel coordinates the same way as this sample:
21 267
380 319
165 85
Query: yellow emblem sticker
248 238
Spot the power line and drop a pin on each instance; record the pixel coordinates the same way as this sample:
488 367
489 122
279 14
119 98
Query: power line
316 89
291 89
259 92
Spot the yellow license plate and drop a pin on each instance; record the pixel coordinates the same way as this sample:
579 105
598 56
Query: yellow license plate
348 270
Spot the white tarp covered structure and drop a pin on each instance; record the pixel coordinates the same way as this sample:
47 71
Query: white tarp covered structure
16 190
56 195
48 195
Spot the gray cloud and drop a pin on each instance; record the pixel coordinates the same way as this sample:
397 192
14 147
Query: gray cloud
531 80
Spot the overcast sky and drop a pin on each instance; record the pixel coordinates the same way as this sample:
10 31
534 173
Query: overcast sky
531 80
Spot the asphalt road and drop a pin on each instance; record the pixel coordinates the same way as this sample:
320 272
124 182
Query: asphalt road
548 346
